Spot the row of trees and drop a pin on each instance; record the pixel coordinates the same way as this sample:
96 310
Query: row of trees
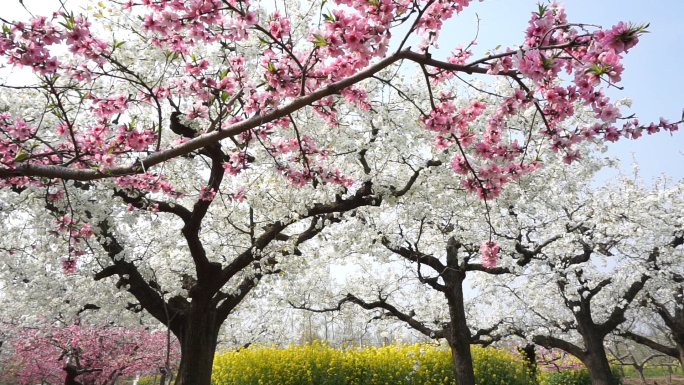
572 262
177 153
584 266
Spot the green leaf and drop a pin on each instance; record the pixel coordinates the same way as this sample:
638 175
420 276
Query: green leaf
595 69
542 9
21 156
270 67
320 41
548 62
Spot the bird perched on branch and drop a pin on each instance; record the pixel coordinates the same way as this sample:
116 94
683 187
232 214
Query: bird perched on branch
179 128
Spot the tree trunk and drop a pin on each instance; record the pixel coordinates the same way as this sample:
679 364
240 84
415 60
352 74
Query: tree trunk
597 364
458 334
640 369
463 363
678 337
198 344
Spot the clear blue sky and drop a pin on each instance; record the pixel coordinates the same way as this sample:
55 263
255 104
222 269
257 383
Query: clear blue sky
653 77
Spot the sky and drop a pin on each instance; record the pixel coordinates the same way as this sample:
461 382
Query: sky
652 77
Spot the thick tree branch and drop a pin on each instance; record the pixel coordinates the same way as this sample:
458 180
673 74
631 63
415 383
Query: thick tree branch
191 230
142 203
550 342
135 284
526 256
486 332
380 304
207 139
617 316
415 256
670 351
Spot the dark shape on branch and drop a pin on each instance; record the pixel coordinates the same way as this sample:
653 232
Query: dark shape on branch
179 128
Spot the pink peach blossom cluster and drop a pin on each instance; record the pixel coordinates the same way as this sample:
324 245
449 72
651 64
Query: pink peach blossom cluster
551 44
490 253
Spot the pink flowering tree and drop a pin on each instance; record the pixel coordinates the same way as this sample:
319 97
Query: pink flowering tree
85 354
179 151
556 360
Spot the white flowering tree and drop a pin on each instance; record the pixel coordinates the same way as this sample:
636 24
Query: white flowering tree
622 236
669 309
179 151
663 295
421 257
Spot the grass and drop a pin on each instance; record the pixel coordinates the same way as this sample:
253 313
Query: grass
652 371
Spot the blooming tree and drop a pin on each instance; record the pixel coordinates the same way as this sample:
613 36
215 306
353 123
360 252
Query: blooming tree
181 150
586 281
433 248
670 312
664 294
627 353
96 355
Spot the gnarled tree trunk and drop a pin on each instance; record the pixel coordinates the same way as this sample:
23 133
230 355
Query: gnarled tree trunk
458 334
198 340
597 364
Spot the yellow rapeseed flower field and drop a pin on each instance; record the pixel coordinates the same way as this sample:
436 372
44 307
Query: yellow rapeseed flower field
319 364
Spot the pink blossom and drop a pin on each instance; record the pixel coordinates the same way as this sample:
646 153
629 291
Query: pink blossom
198 110
460 165
620 37
206 195
490 253
86 231
239 194
68 264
